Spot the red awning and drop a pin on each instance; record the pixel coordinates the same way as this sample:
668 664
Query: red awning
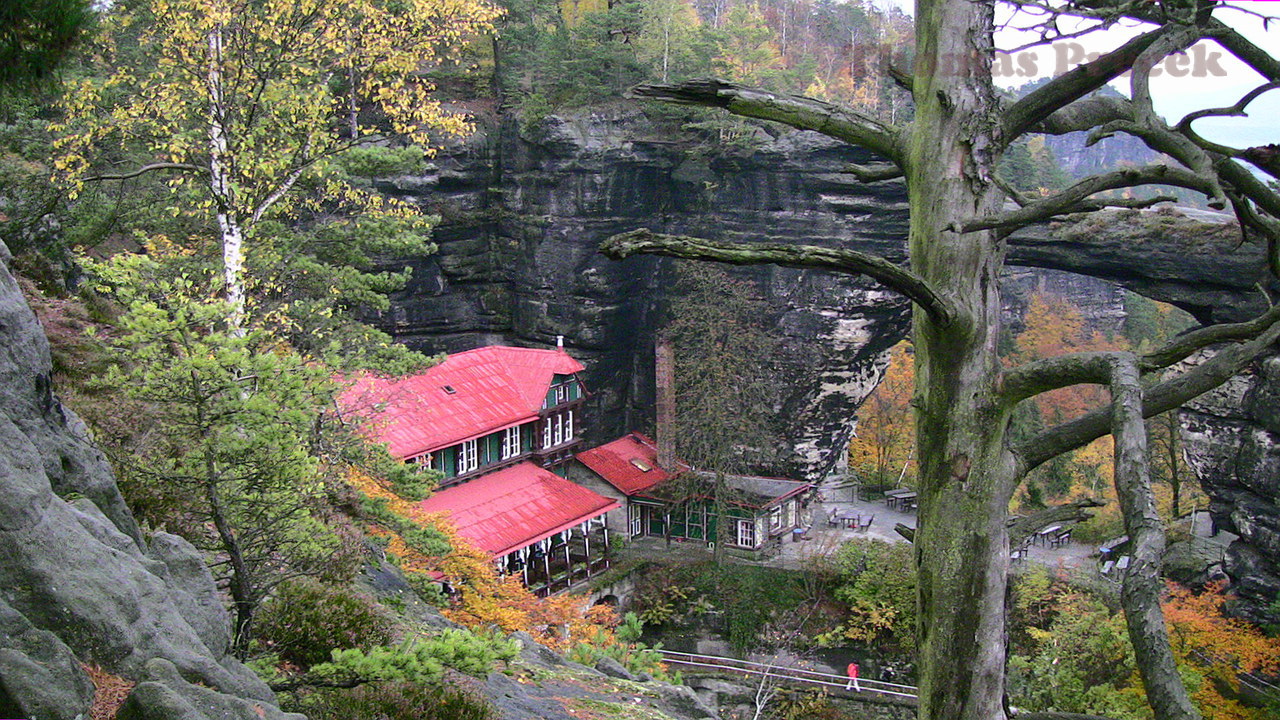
516 507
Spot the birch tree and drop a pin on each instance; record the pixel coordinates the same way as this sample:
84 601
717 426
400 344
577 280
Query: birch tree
250 101
970 460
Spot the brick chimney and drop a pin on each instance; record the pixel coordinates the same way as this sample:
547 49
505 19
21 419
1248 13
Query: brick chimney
665 384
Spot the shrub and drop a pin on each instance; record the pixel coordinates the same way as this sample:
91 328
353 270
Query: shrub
419 660
878 581
306 620
397 701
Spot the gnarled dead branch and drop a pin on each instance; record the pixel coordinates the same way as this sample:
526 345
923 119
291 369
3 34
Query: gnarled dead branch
1140 593
645 241
794 110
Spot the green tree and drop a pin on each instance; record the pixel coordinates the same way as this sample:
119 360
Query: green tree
721 369
36 36
243 100
244 441
970 462
667 33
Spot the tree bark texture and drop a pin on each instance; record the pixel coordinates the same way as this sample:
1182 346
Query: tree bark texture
1140 594
966 474
222 185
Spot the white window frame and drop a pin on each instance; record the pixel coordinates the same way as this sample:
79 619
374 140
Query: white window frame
568 425
559 429
775 519
546 431
511 442
747 533
562 394
468 456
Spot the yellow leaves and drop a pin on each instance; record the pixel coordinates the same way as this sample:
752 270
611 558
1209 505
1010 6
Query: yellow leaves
272 89
882 447
484 598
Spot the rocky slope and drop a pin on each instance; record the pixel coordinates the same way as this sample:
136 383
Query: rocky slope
79 584
525 207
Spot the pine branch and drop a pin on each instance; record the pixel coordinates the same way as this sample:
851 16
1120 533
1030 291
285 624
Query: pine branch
799 112
645 241
1041 376
1069 87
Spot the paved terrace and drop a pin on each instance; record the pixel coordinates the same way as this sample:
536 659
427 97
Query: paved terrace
834 494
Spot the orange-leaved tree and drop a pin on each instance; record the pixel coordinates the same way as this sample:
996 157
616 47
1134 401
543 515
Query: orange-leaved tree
1218 649
881 448
484 597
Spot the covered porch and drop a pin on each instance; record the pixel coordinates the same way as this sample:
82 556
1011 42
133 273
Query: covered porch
561 561
549 531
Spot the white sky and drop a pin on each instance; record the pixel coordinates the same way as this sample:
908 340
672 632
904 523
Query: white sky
1176 96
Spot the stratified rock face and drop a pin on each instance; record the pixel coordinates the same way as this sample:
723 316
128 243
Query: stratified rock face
524 212
1233 438
78 584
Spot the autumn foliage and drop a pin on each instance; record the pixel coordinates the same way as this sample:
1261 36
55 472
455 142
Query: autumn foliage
881 449
485 598
1204 638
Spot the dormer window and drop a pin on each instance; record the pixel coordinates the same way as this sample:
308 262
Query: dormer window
641 465
449 389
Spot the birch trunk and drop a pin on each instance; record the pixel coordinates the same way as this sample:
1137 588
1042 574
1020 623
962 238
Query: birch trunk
222 186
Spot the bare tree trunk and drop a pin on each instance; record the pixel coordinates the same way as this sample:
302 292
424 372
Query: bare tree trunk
966 474
1140 594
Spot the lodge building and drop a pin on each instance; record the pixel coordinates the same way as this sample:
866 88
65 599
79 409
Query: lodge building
499 423
503 427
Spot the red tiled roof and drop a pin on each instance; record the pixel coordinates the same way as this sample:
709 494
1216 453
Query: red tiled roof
493 388
518 506
613 461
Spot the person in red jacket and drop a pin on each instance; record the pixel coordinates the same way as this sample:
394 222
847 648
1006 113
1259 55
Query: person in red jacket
852 671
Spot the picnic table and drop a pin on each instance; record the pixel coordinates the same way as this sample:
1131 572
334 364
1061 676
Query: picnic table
900 497
1042 536
844 520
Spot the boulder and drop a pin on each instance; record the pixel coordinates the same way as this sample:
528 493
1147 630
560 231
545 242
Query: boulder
165 695
39 675
78 584
614 669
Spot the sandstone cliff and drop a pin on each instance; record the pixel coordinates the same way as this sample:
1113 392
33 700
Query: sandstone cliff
79 584
525 207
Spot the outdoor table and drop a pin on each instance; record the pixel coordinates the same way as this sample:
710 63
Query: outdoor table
891 497
1043 534
905 500
848 521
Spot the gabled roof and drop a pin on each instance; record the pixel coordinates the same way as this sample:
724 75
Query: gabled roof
629 463
470 394
516 507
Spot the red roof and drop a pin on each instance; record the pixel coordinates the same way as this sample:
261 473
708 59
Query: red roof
515 507
629 463
492 388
